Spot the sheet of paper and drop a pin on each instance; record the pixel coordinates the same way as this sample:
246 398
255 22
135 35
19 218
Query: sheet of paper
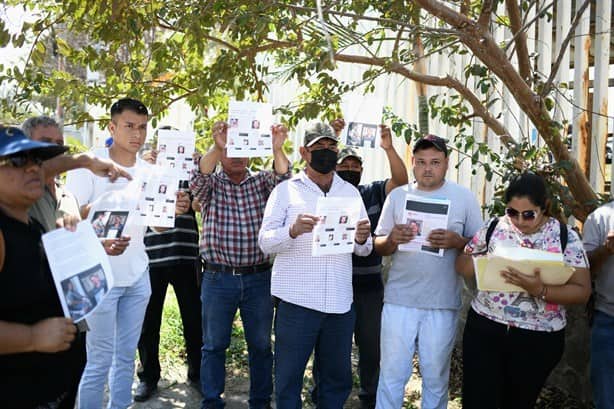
362 116
335 232
553 271
249 129
424 214
80 267
176 152
157 199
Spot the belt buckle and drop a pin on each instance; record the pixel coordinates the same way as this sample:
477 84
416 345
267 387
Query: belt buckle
235 272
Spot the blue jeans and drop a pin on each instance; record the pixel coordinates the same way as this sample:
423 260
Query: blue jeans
298 331
602 360
111 343
222 294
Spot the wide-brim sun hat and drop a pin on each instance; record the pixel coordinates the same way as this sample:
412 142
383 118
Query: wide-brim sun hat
13 140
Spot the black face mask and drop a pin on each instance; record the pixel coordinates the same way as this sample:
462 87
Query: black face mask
323 160
350 176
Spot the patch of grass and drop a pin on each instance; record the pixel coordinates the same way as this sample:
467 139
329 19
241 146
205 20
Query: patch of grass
172 345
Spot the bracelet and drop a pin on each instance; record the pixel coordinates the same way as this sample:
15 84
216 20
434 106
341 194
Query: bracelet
544 292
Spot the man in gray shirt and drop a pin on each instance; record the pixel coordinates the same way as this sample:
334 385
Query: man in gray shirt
599 246
422 294
57 201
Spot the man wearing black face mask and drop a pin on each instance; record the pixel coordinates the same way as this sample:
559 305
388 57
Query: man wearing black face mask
315 292
367 271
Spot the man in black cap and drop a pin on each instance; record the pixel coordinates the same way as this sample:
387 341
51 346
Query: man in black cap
422 293
367 282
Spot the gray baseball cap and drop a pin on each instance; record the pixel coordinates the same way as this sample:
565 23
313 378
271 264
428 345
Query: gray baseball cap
318 130
348 152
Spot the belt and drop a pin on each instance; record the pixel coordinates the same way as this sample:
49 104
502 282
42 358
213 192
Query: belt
258 268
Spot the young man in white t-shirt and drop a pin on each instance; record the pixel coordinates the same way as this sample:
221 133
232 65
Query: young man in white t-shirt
115 326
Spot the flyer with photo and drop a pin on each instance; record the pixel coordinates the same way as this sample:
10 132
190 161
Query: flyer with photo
157 197
423 215
336 230
362 116
109 224
80 268
249 129
176 151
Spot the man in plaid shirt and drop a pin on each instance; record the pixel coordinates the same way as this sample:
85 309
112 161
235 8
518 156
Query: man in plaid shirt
237 274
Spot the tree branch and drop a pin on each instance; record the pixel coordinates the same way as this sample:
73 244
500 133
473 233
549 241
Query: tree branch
484 19
527 24
555 67
449 82
522 52
487 50
387 21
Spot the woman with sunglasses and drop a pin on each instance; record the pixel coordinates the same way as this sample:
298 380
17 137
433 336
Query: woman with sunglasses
513 340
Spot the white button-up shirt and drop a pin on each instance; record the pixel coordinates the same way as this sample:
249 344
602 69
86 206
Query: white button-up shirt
322 283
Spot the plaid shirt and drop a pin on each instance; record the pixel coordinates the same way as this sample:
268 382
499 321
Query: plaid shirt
232 215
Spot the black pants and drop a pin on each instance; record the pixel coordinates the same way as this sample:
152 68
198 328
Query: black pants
368 304
183 279
506 367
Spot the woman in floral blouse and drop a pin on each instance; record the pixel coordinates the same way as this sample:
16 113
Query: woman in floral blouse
513 340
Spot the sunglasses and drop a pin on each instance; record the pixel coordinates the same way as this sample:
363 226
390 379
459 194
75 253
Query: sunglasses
21 160
526 215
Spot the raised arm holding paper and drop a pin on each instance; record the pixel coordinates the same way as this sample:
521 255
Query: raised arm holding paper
521 331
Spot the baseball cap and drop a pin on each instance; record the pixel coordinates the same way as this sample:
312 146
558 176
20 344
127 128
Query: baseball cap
433 141
316 131
348 152
13 140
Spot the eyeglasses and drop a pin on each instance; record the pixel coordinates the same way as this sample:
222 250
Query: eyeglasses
21 160
526 215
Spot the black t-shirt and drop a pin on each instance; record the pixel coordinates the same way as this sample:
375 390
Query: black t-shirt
373 197
28 295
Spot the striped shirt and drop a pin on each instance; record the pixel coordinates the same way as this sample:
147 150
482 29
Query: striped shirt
321 283
232 214
176 245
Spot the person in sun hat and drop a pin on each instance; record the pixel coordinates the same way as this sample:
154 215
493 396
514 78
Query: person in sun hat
40 349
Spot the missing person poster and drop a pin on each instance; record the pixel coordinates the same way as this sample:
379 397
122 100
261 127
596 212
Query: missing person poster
80 267
249 129
176 151
157 197
423 215
362 119
336 230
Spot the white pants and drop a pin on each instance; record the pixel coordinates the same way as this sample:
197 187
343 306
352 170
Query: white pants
433 331
115 328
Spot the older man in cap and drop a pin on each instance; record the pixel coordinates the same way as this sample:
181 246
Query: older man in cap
314 292
422 294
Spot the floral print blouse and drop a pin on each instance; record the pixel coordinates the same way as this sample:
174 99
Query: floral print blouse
519 309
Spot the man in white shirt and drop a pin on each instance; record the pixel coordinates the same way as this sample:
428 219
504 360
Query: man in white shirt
422 294
314 293
115 326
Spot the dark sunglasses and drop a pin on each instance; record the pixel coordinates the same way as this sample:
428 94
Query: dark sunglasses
526 215
21 160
